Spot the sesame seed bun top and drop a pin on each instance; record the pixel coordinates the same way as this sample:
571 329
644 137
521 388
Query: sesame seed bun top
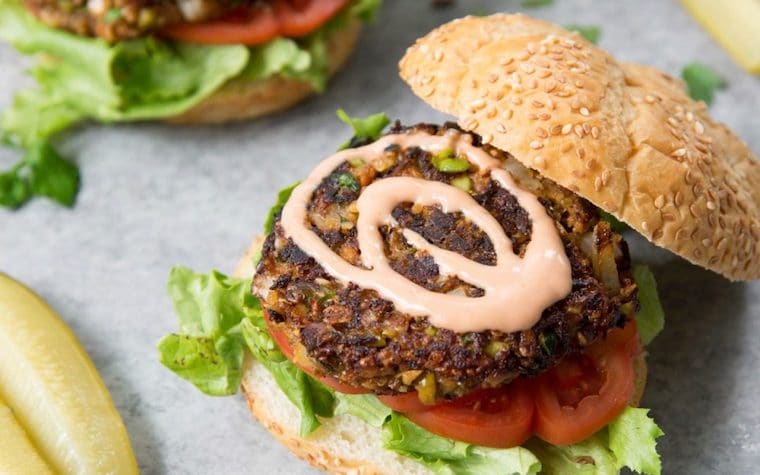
626 137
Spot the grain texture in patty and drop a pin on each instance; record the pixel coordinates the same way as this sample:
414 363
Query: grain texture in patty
360 338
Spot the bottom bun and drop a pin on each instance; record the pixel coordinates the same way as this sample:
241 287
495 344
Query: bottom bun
342 444
239 99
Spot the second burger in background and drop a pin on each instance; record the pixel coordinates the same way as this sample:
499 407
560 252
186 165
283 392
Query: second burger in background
188 61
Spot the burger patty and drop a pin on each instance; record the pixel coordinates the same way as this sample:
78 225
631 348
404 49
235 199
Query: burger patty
358 337
126 19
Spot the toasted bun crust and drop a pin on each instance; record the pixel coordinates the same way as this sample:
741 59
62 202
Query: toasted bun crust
626 137
239 100
343 444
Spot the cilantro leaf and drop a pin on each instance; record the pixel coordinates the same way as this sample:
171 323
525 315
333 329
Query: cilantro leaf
590 32
365 129
702 81
41 172
536 3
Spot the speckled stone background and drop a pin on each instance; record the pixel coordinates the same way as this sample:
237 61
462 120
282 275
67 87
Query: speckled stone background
155 195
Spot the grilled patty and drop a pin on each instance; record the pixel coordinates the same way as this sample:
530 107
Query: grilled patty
356 336
126 19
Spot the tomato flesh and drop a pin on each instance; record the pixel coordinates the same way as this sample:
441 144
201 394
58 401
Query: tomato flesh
498 418
604 384
260 23
405 403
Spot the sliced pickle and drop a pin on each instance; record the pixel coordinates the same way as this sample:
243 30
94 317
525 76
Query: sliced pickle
55 391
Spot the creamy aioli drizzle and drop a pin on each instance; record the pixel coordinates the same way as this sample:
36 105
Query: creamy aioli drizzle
517 290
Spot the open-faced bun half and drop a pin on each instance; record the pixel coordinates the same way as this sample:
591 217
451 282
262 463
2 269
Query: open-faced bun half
240 99
343 444
625 136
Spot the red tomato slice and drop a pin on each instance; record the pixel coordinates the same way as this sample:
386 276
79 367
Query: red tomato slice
626 337
260 23
250 26
298 18
281 339
582 394
405 403
499 418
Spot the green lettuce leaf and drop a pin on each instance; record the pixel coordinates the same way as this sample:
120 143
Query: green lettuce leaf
368 128
590 457
311 397
446 456
617 225
282 197
366 407
650 319
633 439
208 350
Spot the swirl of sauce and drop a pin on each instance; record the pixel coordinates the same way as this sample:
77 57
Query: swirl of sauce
516 289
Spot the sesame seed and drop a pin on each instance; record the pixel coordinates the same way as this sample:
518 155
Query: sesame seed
493 77
591 164
649 99
507 114
541 133
577 173
539 161
523 55
532 83
689 116
668 217
606 177
679 152
678 199
681 234
694 210
438 55
711 206
429 92
597 183
544 116
673 121
531 48
527 67
657 234
575 104
477 104
487 138
516 100
645 226
698 253
699 127
535 144
584 111
491 113
595 132
550 86
659 202
580 153
532 116
586 129
578 129
506 60
545 73
566 129
537 103
579 84
501 128
499 94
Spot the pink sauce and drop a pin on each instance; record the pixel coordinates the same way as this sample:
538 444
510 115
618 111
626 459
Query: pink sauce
517 290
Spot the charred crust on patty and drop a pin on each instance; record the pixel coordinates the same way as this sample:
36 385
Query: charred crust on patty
358 337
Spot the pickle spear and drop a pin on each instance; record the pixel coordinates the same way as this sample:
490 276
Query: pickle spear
17 454
735 25
55 391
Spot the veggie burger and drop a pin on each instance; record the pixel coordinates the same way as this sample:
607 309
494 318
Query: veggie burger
460 298
110 60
